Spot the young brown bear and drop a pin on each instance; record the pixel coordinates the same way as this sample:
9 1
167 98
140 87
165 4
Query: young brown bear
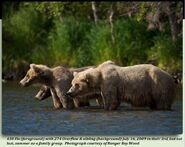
140 85
58 80
44 91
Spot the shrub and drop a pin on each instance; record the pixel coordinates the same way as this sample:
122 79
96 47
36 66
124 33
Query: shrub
23 32
132 41
67 39
167 52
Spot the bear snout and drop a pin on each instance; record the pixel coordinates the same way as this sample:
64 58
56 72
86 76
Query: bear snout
69 93
23 83
68 96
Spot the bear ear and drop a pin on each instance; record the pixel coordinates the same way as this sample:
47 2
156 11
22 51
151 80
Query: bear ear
87 81
93 78
88 78
36 68
32 65
74 73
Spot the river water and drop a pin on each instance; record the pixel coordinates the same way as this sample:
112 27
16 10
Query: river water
22 114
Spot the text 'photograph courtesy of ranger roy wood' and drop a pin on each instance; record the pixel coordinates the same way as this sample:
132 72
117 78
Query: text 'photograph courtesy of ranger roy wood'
92 68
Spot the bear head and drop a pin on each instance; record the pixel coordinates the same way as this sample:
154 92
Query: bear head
84 82
36 74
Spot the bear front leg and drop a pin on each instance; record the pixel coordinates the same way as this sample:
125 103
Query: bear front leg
56 100
99 101
105 105
66 102
114 105
110 99
81 102
69 104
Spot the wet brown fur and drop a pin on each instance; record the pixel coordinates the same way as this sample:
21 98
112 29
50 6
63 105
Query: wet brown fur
58 80
140 85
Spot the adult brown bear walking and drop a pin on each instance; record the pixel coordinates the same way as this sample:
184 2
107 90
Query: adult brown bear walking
140 85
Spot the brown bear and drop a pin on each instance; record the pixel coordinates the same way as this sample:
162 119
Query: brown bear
140 85
58 80
44 91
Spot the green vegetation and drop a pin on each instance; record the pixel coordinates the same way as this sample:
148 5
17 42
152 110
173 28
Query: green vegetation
65 33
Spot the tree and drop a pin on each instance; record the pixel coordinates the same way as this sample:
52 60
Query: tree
111 15
95 12
164 13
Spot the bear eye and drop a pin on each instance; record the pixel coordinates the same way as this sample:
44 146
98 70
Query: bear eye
83 80
76 85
